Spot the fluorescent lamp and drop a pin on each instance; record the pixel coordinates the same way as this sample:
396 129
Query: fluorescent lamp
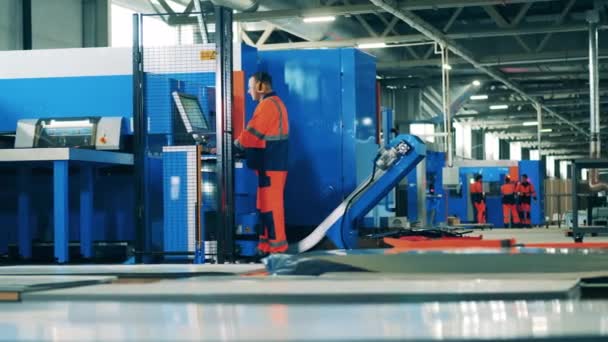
447 67
476 83
497 107
367 121
530 123
546 130
69 124
319 19
371 46
479 97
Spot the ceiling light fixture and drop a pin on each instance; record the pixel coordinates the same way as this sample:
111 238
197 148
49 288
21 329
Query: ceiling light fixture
546 130
530 123
498 107
447 67
479 97
476 83
324 19
371 46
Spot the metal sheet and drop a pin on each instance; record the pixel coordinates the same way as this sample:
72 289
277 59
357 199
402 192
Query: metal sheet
36 283
455 261
307 290
72 154
165 270
463 321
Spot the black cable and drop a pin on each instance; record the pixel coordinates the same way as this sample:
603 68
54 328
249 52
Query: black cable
344 216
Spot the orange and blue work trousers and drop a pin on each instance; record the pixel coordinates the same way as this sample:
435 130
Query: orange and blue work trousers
509 207
480 207
510 214
271 227
524 209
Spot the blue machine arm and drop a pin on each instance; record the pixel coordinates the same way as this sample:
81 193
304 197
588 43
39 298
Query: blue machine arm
392 164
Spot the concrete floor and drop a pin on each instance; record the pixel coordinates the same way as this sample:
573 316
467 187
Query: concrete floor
533 235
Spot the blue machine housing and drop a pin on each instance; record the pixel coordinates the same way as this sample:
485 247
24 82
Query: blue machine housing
330 97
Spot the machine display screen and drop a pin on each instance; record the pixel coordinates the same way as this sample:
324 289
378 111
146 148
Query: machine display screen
191 112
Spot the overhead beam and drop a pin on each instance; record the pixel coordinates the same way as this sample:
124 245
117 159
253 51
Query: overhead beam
499 60
410 5
558 21
503 23
554 103
417 38
269 29
446 28
431 32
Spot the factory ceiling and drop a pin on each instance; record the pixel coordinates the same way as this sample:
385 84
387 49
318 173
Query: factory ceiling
524 51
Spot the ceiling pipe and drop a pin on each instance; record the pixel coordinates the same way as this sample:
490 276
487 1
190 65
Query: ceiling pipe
239 5
593 17
423 27
330 32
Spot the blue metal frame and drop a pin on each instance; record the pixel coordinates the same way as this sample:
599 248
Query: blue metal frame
344 234
86 210
60 205
23 208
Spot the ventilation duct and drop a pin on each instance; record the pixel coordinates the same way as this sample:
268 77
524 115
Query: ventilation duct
239 5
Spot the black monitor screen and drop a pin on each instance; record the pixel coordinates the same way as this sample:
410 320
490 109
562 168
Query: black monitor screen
191 113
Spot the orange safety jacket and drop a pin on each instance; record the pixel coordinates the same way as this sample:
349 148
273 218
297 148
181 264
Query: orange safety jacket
477 192
508 193
526 191
265 140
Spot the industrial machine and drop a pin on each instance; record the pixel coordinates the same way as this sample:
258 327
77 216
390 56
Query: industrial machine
100 133
391 165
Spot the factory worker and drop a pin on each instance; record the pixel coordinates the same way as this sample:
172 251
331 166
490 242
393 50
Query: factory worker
478 199
525 190
509 205
265 141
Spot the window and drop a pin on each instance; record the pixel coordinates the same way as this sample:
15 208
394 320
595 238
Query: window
425 131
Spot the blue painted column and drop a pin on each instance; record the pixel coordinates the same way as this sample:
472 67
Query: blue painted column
24 177
86 210
60 210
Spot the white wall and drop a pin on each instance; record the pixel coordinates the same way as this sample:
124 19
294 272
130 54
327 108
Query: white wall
550 166
463 140
56 24
65 63
491 147
515 151
10 25
534 155
563 168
